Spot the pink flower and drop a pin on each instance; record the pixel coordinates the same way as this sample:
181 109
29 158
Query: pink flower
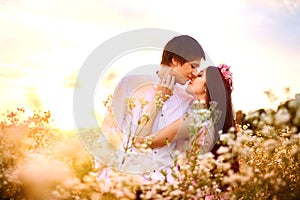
225 70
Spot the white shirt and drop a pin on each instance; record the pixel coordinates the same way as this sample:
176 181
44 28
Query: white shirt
175 107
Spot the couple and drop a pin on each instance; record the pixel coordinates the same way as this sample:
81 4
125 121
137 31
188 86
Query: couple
166 127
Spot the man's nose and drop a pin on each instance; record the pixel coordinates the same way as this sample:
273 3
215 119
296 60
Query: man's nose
194 71
194 75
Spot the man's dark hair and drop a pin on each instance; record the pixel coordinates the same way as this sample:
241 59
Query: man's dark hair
183 48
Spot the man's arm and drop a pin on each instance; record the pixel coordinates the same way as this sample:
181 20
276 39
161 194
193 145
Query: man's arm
162 94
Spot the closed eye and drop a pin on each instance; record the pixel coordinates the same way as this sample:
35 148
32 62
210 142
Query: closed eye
194 65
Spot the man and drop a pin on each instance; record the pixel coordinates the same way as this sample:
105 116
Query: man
181 58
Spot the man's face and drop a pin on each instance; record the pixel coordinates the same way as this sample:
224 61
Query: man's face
185 72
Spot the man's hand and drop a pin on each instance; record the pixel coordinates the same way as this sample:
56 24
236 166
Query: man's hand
165 70
166 87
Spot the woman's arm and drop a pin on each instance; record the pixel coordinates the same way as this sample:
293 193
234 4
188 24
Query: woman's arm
179 129
174 131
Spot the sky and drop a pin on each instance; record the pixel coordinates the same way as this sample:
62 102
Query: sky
44 44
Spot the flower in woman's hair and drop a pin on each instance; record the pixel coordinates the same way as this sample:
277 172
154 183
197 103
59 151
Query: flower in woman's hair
227 74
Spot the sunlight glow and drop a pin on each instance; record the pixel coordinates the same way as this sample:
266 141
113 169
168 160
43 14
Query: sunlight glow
47 42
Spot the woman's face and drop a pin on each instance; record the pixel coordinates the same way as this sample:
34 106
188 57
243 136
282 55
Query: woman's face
197 86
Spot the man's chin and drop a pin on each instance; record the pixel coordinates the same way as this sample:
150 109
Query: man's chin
182 82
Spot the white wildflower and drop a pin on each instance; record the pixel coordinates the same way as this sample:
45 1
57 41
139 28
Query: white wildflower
249 132
223 149
225 137
297 117
293 104
282 116
266 130
268 119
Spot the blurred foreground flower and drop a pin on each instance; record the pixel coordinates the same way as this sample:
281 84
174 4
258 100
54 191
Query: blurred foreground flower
39 161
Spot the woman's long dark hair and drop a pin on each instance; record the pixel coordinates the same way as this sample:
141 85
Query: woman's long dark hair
219 91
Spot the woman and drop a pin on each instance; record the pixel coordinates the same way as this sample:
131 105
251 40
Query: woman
212 84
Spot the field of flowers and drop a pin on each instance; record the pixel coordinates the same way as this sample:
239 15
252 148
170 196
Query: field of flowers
39 161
